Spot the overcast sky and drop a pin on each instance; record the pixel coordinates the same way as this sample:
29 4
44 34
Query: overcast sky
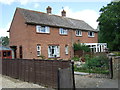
87 10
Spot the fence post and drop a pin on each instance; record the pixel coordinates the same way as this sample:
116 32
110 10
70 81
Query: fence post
34 71
111 68
17 68
73 74
58 78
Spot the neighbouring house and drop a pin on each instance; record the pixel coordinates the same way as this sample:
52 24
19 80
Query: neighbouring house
34 34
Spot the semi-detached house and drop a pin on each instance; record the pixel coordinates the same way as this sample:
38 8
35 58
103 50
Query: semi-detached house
34 34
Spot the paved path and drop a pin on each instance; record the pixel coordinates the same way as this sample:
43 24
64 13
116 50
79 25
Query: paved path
8 82
87 82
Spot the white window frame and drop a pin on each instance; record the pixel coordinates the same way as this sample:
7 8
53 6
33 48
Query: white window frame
93 34
78 33
63 31
66 49
38 50
42 29
56 51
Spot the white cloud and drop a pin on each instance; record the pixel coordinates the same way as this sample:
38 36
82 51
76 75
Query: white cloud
36 5
7 1
24 2
87 15
3 31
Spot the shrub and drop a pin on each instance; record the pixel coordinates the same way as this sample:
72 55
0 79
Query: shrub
97 61
76 58
79 46
42 56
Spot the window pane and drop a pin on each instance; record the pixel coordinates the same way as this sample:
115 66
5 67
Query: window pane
42 29
38 28
38 53
4 54
38 50
66 49
9 53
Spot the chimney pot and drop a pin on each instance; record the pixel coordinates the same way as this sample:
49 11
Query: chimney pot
49 9
63 13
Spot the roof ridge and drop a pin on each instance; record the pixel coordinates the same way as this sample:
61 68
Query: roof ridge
30 10
49 14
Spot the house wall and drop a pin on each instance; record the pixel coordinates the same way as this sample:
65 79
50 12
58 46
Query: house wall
54 38
18 34
25 35
85 39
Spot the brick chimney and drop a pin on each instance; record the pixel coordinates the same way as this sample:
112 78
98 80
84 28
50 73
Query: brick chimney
49 9
63 13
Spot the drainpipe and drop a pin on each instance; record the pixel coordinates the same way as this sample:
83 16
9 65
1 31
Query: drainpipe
72 41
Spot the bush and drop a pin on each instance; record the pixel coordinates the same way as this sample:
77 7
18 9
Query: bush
78 46
96 64
76 58
97 61
42 57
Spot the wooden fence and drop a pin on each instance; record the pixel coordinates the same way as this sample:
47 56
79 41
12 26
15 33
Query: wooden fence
43 72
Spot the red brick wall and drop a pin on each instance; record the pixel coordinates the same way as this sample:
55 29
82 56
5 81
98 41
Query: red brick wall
18 34
85 39
25 35
53 38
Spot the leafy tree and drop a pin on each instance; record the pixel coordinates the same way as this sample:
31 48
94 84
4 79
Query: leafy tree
5 41
109 25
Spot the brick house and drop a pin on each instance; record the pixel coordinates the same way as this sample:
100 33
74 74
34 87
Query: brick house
34 33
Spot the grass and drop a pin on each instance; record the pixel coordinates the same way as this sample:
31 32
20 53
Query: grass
92 70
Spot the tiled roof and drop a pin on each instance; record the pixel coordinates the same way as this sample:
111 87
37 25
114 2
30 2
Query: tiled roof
34 17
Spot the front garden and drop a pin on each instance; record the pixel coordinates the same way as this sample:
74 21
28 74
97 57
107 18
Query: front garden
95 64
90 63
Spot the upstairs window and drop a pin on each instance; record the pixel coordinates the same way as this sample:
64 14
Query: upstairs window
42 29
66 49
90 34
78 33
63 31
38 50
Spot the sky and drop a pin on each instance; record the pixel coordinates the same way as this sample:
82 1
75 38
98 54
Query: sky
87 10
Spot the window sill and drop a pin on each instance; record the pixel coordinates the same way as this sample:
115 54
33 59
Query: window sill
53 57
42 33
78 36
91 36
63 34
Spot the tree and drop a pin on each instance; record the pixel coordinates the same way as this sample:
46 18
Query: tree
109 25
5 41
